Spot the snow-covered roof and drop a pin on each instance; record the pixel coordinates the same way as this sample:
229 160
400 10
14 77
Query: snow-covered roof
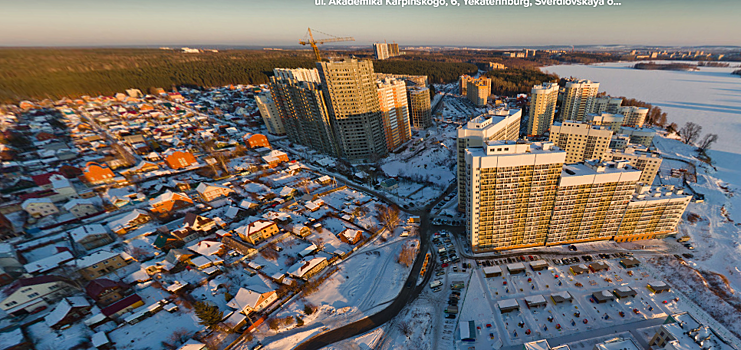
94 258
247 204
206 247
99 339
201 262
537 345
81 232
203 187
63 308
232 212
246 297
535 300
169 196
192 345
302 267
124 220
508 304
488 270
254 227
538 264
515 267
30 201
48 263
286 191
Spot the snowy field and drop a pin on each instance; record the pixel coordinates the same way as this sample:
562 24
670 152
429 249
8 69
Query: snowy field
710 97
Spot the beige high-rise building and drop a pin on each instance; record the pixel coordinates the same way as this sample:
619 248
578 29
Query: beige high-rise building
270 114
499 124
510 198
579 96
392 96
634 116
606 104
420 109
581 141
478 91
648 163
352 100
591 200
463 84
612 121
381 51
304 114
652 213
542 107
300 74
639 136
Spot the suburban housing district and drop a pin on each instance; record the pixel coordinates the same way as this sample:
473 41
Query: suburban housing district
251 216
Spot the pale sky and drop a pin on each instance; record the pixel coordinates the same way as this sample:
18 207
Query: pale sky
284 22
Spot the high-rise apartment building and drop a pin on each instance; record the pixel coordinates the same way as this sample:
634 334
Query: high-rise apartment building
420 108
463 84
581 140
381 50
478 91
639 157
270 114
510 197
385 50
606 104
542 107
352 100
304 114
652 213
591 200
300 74
392 97
634 116
500 124
579 97
612 121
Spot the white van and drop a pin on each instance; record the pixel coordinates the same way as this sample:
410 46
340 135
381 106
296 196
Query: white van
436 283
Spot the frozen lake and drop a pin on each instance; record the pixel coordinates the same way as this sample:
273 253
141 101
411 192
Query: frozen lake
710 97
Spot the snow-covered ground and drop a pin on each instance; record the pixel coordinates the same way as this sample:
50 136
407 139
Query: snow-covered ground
710 97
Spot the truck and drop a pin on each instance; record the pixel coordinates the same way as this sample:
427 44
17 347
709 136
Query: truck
436 283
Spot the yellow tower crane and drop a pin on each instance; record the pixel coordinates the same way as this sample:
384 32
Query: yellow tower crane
310 41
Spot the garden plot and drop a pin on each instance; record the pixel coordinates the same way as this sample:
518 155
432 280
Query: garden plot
284 259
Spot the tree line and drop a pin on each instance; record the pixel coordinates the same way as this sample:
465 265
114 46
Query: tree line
436 72
513 81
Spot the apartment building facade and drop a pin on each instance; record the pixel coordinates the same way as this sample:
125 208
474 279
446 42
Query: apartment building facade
392 98
606 104
639 136
634 116
609 120
511 193
500 124
270 114
653 212
542 108
420 108
647 162
591 201
352 101
300 74
580 140
304 114
578 99
478 91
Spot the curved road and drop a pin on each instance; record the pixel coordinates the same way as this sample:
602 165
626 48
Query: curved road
406 296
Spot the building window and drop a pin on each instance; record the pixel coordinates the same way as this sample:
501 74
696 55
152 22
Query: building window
33 295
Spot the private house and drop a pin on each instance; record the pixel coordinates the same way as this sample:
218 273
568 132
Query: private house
253 299
39 207
105 291
185 234
306 269
255 140
68 311
129 221
30 294
197 223
177 159
301 231
44 180
80 208
166 241
257 231
658 287
351 236
95 174
275 157
15 340
209 192
170 201
91 236
63 190
141 168
7 229
123 306
206 247
98 264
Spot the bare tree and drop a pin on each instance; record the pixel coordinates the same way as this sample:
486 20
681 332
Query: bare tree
706 142
690 132
388 216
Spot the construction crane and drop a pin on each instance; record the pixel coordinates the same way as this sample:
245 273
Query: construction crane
313 42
